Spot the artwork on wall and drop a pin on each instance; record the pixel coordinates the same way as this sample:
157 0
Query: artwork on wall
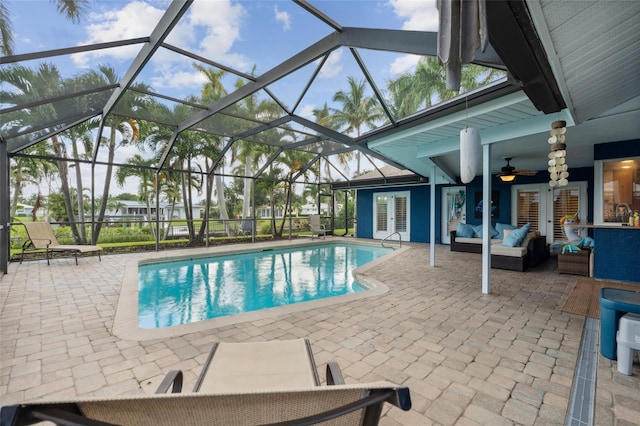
495 203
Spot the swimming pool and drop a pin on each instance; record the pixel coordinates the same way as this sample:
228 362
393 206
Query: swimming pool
186 291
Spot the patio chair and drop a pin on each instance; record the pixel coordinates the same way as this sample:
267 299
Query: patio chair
317 228
247 226
41 237
241 384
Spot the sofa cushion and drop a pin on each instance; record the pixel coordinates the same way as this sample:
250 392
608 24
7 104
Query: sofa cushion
516 236
477 229
530 236
475 240
501 250
500 227
464 230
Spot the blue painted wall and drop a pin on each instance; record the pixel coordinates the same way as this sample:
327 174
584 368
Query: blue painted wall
504 189
617 254
617 251
419 211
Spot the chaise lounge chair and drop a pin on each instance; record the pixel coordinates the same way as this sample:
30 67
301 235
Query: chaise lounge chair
41 237
317 228
241 384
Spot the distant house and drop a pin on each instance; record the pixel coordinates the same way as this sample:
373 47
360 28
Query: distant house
265 212
311 208
23 210
137 210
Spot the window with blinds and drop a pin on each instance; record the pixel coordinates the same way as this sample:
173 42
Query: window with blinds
565 201
528 209
401 213
381 213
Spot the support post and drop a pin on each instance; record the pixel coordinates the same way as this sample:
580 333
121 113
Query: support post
5 209
432 220
486 219
157 211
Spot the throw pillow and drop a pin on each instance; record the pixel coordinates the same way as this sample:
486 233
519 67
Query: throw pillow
478 231
464 230
494 232
516 236
500 227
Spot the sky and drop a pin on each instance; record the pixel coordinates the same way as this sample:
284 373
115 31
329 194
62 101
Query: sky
238 34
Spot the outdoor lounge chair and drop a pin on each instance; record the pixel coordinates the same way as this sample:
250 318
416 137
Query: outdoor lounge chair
317 228
41 237
247 226
241 384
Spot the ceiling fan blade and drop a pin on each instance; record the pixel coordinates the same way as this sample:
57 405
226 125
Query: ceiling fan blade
525 172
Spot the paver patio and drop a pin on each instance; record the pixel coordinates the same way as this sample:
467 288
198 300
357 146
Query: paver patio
468 358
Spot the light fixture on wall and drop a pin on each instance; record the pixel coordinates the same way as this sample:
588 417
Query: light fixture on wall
558 169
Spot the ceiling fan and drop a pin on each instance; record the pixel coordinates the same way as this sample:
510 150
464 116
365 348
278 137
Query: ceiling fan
508 173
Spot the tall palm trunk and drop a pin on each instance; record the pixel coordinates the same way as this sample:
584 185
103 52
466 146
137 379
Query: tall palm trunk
79 193
222 204
17 193
209 191
63 170
286 207
246 193
107 184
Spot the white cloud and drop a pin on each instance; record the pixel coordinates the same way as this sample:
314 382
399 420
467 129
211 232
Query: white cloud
176 79
283 17
220 21
209 29
333 66
307 111
418 15
136 19
404 64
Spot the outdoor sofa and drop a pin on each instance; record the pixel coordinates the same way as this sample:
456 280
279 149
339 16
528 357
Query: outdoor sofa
532 251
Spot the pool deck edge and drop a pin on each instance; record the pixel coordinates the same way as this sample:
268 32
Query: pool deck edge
125 324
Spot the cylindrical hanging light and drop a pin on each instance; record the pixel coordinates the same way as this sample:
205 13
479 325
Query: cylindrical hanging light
558 169
470 153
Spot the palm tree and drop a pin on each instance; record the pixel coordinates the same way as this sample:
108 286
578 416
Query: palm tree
122 131
27 85
324 118
212 91
294 161
189 151
421 89
357 111
80 134
249 153
426 85
72 9
141 168
27 170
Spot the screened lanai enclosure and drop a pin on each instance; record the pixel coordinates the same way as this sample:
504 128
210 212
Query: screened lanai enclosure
195 120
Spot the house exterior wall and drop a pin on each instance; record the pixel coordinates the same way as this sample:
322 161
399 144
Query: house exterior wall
581 174
418 213
617 251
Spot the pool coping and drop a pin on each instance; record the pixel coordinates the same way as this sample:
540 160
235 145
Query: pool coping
125 323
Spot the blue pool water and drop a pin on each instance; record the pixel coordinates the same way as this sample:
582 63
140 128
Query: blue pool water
183 292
